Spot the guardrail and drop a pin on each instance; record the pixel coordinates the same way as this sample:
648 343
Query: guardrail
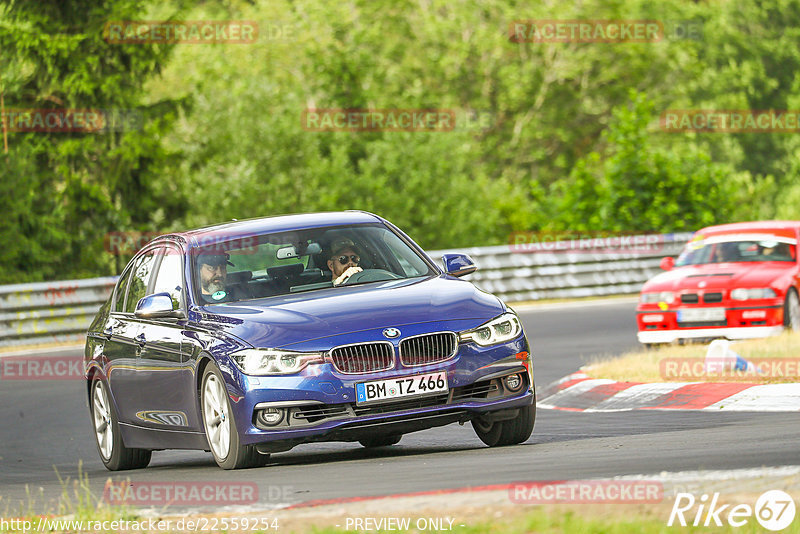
62 311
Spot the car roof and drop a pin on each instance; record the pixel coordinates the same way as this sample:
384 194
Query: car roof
278 223
783 228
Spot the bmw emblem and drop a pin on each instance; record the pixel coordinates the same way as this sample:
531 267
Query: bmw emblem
391 333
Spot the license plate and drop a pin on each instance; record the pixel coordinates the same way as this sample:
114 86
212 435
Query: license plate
701 315
401 388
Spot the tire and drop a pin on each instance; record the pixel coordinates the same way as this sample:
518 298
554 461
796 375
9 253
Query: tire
791 311
219 426
114 454
511 432
381 441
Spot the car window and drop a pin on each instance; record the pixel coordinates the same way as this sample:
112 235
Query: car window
412 265
122 286
140 277
297 261
698 253
170 276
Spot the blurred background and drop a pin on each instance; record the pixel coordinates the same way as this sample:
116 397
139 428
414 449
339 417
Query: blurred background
548 136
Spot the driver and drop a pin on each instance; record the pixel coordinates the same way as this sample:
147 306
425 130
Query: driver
213 274
343 261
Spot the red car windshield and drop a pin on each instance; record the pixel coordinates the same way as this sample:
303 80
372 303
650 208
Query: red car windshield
698 253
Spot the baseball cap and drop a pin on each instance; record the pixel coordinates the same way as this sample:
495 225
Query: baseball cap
339 245
213 259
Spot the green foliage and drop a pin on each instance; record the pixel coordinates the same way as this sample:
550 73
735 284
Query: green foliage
643 184
568 140
64 192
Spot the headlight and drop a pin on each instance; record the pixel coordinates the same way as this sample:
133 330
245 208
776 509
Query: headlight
498 330
755 293
274 362
662 296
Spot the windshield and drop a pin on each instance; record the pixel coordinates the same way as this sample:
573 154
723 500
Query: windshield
720 250
275 264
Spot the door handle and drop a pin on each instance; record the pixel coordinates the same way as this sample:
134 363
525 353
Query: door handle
140 340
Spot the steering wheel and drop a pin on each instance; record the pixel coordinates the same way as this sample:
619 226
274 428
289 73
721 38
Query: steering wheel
371 275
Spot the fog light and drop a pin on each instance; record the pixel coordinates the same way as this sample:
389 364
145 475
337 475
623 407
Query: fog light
754 314
652 318
270 416
514 382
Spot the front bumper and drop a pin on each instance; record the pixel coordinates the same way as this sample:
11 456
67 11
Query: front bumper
745 332
319 404
743 320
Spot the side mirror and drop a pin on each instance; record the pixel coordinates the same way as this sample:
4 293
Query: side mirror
157 305
667 263
458 264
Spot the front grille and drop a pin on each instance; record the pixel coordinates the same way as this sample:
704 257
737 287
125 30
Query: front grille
398 406
712 297
690 298
363 358
428 348
318 412
708 323
478 390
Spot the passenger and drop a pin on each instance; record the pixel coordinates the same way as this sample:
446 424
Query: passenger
776 251
343 261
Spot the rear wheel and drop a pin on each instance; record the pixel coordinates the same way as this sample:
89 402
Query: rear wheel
114 454
510 432
223 438
381 441
791 310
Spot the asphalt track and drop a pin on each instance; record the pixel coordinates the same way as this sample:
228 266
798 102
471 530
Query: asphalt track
46 433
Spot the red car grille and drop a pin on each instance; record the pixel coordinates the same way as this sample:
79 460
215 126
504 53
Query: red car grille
430 348
363 358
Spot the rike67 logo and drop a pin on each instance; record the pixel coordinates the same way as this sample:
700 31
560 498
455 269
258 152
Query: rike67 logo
774 510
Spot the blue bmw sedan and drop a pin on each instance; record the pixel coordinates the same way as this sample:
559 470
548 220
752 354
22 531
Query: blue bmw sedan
250 337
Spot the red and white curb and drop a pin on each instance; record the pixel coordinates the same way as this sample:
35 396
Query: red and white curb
580 393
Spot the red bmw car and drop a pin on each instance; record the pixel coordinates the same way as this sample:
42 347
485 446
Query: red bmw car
733 281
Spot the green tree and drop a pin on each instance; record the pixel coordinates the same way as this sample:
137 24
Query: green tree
67 191
642 184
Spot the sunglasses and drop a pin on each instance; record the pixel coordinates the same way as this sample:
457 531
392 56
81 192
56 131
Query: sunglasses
344 260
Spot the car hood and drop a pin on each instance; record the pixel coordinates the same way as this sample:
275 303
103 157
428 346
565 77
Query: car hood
292 319
719 276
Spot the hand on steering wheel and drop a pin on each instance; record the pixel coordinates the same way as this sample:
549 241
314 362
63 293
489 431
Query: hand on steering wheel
347 274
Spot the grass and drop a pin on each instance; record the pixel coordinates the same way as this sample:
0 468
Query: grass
649 365
79 503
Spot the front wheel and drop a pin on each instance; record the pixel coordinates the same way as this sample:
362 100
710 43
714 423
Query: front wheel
114 454
510 432
223 438
791 311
